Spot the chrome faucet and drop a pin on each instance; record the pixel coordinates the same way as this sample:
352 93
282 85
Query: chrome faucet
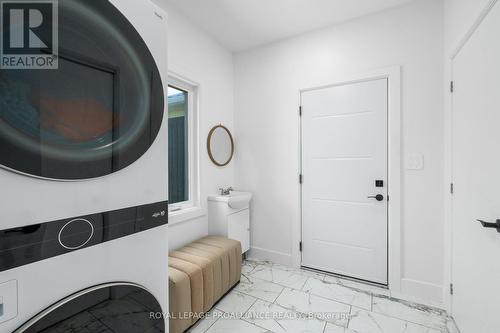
225 191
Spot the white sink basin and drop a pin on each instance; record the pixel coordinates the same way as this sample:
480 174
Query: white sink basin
239 199
235 200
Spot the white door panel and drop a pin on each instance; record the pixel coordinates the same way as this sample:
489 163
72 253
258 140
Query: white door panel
476 177
346 100
349 187
358 217
344 151
346 257
239 228
330 130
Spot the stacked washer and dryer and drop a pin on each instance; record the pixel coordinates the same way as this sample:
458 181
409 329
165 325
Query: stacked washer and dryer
83 177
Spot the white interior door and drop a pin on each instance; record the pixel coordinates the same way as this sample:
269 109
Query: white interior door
476 178
344 153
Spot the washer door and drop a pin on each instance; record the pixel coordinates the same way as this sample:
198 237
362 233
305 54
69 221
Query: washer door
97 113
124 308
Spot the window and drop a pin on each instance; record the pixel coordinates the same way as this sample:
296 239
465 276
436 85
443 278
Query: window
182 152
178 166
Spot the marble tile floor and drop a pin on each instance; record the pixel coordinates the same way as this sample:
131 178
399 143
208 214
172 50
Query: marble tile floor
277 299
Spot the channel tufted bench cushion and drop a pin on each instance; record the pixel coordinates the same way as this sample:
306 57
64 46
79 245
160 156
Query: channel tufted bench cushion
196 282
234 249
207 270
211 266
179 299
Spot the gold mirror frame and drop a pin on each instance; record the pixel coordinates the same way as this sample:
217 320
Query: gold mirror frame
209 139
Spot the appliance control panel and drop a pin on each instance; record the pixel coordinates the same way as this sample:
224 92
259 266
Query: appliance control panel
25 245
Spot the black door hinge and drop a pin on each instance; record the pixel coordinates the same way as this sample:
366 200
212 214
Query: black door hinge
452 86
300 246
452 188
300 111
300 179
451 288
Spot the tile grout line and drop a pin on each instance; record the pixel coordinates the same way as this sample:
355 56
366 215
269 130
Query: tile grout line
258 298
334 300
294 289
324 327
306 273
294 270
350 316
244 313
406 320
304 313
305 282
281 292
242 319
307 278
209 327
260 327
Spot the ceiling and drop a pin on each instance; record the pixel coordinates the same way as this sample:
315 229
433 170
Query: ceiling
243 24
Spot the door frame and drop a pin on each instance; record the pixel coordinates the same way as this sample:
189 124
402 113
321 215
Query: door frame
448 150
394 167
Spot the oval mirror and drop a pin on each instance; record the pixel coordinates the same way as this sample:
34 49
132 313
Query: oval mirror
220 145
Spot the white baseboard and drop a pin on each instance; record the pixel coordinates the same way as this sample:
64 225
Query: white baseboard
270 255
421 292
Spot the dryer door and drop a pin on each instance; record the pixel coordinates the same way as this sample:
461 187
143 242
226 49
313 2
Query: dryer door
97 113
124 308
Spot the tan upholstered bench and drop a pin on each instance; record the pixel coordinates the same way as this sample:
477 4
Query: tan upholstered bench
211 267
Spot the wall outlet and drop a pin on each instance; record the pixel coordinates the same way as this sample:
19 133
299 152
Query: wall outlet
8 300
414 162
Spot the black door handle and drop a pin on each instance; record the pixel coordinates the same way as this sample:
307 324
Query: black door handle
378 197
494 225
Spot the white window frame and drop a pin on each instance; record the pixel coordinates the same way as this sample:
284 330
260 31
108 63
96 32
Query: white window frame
186 210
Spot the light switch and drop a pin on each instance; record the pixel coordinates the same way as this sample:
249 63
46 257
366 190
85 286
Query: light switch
8 300
414 162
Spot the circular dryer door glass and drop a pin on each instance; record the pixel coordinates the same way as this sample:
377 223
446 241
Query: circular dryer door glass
96 113
107 308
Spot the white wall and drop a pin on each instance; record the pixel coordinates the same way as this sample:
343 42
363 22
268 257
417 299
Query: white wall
267 82
459 16
195 56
